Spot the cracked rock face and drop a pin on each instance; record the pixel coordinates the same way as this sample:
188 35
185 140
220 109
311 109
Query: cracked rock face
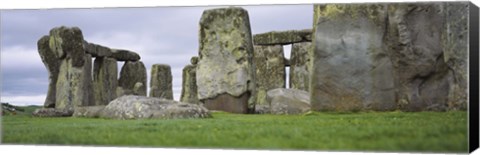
141 107
225 64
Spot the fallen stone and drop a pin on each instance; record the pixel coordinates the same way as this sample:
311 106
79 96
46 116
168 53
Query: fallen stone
52 63
52 112
299 66
161 81
131 74
283 37
189 85
88 111
288 101
105 80
124 55
225 66
140 107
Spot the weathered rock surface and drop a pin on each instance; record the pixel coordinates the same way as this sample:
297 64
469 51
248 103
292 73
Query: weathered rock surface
74 79
88 111
351 69
140 107
194 60
288 101
225 67
300 66
189 85
130 74
161 81
96 50
52 63
283 37
52 112
105 80
270 71
124 55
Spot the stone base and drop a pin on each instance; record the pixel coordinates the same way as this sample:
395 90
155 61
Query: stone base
228 103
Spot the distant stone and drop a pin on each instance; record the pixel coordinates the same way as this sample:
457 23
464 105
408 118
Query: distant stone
270 71
283 37
189 85
130 74
52 63
124 55
52 112
161 81
288 101
194 60
225 71
88 111
140 107
139 89
105 80
299 66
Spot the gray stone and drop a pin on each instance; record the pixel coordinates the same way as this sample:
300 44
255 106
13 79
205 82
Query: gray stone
74 81
226 66
288 101
88 111
124 55
194 60
415 39
97 50
351 69
139 89
52 63
161 81
189 85
270 71
105 80
140 107
130 74
283 37
52 112
299 66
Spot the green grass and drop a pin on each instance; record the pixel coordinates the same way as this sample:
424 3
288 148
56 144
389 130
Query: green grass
368 131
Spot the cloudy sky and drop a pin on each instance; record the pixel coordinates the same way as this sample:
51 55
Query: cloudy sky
166 35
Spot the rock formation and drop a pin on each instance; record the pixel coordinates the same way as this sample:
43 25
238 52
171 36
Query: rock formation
161 81
225 72
133 72
52 63
189 82
300 66
288 101
141 107
270 71
283 37
105 80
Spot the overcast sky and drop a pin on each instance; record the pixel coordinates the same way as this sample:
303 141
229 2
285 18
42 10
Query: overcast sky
166 35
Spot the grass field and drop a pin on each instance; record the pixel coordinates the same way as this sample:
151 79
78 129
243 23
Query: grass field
369 131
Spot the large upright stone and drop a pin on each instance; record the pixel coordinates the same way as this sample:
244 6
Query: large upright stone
132 72
299 66
105 80
52 63
415 37
270 71
351 69
161 81
225 73
189 84
74 79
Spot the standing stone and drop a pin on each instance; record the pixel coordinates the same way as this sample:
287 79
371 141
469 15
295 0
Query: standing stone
189 84
87 78
225 71
299 66
52 63
415 39
74 78
131 73
105 80
161 81
270 72
350 68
